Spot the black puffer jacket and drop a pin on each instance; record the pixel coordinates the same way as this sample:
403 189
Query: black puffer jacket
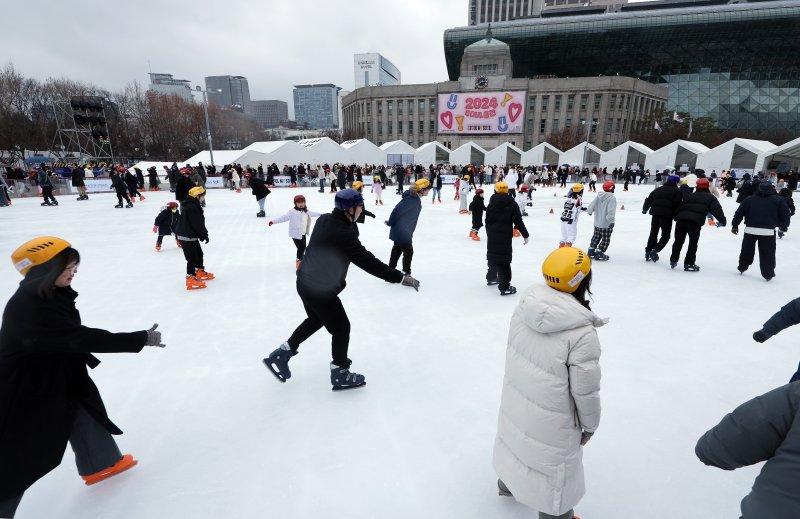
167 221
182 187
766 428
745 190
77 177
697 207
502 215
765 210
333 246
118 183
192 223
664 201
477 207
786 194
259 187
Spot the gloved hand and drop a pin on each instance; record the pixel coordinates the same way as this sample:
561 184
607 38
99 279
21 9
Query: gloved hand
584 208
372 215
784 229
386 222
611 226
155 228
524 241
269 224
735 229
719 224
206 240
154 337
408 281
644 212
586 436
760 336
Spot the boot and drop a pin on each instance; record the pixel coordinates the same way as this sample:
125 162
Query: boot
673 264
122 465
278 362
474 235
516 233
600 256
202 275
591 253
691 268
261 214
382 202
54 202
297 264
343 378
141 198
648 254
502 489
192 283
129 205
653 256
118 206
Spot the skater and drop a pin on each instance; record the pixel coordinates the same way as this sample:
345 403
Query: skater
166 222
234 180
522 199
173 174
131 182
463 195
503 217
762 213
663 203
152 177
690 219
788 315
46 186
477 207
456 186
321 278
358 185
436 186
77 182
191 230
377 188
764 429
46 396
512 179
569 216
786 193
139 179
120 188
183 185
604 207
403 221
550 404
260 191
299 218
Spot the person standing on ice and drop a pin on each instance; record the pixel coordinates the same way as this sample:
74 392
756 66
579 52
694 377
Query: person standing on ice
120 188
191 231
663 203
333 246
569 216
183 184
260 191
299 218
503 218
403 222
377 188
604 208
46 396
762 213
690 219
477 208
512 179
132 184
522 199
463 195
550 403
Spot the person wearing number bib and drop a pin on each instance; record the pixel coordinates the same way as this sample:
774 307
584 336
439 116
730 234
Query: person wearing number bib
569 216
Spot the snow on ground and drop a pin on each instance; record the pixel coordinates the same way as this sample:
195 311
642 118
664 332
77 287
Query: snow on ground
217 436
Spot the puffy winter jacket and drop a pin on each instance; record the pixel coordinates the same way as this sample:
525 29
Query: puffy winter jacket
551 392
697 207
167 221
786 194
295 218
192 224
765 210
766 428
477 207
521 199
605 207
258 188
664 201
788 315
745 190
502 215
404 217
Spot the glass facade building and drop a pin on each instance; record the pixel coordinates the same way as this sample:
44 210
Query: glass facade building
317 105
229 92
737 63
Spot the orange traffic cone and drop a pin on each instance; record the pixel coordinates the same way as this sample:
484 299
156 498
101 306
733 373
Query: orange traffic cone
122 465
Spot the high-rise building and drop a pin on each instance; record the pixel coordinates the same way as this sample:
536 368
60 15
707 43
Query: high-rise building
487 11
166 84
229 92
269 114
317 105
372 69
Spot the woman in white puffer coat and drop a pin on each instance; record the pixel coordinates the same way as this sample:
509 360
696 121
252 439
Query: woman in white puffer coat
550 403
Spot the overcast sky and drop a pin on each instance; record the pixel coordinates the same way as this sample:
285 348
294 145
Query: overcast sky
274 43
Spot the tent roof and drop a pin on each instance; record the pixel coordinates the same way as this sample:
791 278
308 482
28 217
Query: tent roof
790 149
220 157
469 144
433 144
318 142
635 145
545 145
750 144
270 146
398 147
358 143
692 146
506 145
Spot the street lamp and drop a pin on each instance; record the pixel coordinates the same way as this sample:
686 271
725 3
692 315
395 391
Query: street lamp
589 127
208 126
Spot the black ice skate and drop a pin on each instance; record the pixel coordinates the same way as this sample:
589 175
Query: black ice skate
653 256
261 214
342 379
691 268
600 256
673 264
648 254
502 489
118 206
278 363
591 253
491 282
508 291
129 205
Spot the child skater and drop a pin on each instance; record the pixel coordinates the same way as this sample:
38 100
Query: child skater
463 190
569 217
299 218
456 184
377 188
522 199
477 207
166 223
786 193
604 207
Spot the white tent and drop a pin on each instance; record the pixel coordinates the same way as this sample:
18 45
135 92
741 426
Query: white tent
541 154
146 164
735 154
322 150
468 153
398 152
431 153
584 154
362 151
504 155
279 153
675 155
625 155
221 157
781 158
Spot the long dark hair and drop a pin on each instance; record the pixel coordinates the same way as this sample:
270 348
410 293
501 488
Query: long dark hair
42 278
584 289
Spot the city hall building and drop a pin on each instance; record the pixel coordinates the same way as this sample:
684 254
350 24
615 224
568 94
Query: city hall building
487 105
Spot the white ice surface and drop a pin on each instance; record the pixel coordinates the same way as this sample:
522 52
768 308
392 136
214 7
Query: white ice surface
217 436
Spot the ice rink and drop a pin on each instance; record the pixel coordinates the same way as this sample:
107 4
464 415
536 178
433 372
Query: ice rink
217 436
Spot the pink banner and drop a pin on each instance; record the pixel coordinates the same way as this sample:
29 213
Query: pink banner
482 112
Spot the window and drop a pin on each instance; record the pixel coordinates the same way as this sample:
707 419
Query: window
558 103
380 128
421 126
613 102
618 125
569 122
433 127
410 106
485 69
400 127
584 101
532 104
432 105
380 107
389 111
421 106
542 126
571 102
545 103
594 125
390 125
608 125
555 125
369 128
597 99
369 108
399 108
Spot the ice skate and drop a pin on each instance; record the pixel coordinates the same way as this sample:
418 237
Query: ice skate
741 269
653 256
711 221
192 283
600 256
122 465
673 264
474 236
45 203
508 291
502 489
342 379
591 253
130 204
462 211
278 362
158 248
691 268
382 202
118 206
491 282
562 244
261 214
54 202
141 198
648 255
202 275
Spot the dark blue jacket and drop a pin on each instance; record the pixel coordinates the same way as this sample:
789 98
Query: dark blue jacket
766 428
765 210
403 219
787 316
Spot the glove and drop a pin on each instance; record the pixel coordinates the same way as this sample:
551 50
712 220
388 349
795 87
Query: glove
206 240
760 336
611 226
784 229
720 224
154 337
735 229
155 228
586 436
525 241
386 222
644 212
269 224
408 281
372 215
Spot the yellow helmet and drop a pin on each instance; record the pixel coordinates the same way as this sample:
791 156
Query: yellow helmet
37 251
197 191
577 188
358 185
466 177
422 183
501 187
378 178
565 268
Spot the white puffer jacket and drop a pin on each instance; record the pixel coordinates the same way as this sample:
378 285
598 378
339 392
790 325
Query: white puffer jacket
550 393
299 222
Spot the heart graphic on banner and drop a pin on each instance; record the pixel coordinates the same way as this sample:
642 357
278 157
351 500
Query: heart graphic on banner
447 120
514 110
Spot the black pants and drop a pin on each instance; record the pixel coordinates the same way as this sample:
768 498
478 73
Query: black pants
766 253
121 196
193 253
663 224
301 246
327 312
683 229
399 186
500 272
47 194
407 250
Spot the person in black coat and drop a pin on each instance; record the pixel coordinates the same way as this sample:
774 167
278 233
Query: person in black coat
477 207
191 230
767 428
166 223
788 315
786 194
139 178
663 203
321 278
400 175
762 213
729 184
133 189
690 219
502 216
78 174
47 398
183 185
260 191
120 188
152 176
341 178
745 190
292 177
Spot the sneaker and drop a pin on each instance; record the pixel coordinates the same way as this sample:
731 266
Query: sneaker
502 489
691 268
343 378
278 362
202 275
122 465
508 291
